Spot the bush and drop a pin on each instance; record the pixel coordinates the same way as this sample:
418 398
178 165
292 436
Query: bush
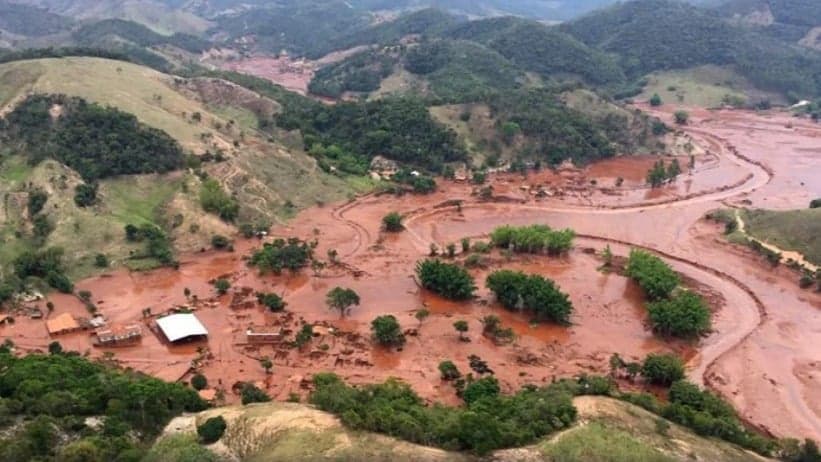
392 222
212 430
220 242
101 261
685 315
85 195
815 203
486 387
222 285
36 201
199 382
534 294
214 199
272 301
655 101
179 448
448 280
45 264
449 371
655 277
387 331
662 369
251 394
681 117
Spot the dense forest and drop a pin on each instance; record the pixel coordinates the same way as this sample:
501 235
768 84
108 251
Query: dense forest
45 401
95 141
30 21
116 30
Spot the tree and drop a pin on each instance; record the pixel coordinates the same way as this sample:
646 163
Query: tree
448 370
662 369
421 315
392 222
607 256
448 280
341 300
532 293
272 301
465 245
85 195
451 250
656 278
387 331
199 382
101 260
36 201
266 364
486 387
655 100
220 242
657 174
681 117
305 334
462 327
212 430
222 285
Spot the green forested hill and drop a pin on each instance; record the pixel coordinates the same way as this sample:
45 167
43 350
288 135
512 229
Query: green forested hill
30 21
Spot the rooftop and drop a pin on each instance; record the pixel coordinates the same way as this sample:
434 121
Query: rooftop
179 326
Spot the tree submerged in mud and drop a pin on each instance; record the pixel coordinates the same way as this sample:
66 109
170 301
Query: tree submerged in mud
531 293
387 331
533 239
448 280
339 299
293 254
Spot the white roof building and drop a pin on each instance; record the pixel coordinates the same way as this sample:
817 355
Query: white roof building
180 326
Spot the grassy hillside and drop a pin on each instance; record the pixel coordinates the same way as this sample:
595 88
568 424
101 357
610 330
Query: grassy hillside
610 431
269 180
26 20
798 230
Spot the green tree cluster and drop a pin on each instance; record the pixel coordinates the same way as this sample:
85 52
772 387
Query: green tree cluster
533 239
272 301
656 278
46 264
488 421
534 294
114 142
392 222
212 429
157 243
683 315
448 280
292 254
662 369
341 299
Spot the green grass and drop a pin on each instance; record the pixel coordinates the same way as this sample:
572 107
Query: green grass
244 118
797 230
597 442
14 170
138 200
703 86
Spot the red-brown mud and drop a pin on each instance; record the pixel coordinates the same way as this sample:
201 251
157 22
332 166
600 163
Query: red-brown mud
762 354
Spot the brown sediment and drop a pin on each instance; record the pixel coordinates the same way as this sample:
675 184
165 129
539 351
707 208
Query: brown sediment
764 327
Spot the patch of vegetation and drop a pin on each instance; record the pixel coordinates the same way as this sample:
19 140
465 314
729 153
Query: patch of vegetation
488 422
271 301
662 369
46 264
599 441
157 243
684 315
215 200
797 230
387 331
392 222
656 278
110 31
362 73
179 448
533 239
446 279
532 293
292 254
133 408
212 429
114 142
341 300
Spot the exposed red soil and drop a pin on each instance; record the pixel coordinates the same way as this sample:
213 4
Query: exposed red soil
762 355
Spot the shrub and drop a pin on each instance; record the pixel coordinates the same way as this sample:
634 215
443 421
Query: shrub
486 387
36 201
214 199
534 294
212 430
681 117
101 261
251 394
387 331
815 203
655 277
199 382
685 315
85 195
662 369
222 285
449 371
271 301
220 242
392 222
655 101
448 280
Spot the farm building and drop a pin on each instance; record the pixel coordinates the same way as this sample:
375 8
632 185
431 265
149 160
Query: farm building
62 324
181 326
257 334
